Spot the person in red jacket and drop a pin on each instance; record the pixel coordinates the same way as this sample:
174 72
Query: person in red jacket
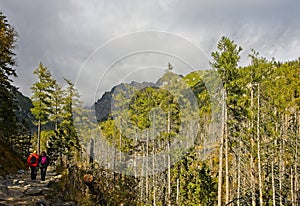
33 163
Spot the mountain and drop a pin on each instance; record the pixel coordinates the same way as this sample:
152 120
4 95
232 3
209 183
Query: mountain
104 104
24 115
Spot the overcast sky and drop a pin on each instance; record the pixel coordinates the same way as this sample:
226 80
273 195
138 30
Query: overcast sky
94 43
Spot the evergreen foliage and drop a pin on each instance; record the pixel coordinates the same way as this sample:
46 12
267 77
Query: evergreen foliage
256 161
8 106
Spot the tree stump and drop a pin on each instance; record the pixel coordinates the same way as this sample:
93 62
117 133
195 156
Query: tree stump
88 179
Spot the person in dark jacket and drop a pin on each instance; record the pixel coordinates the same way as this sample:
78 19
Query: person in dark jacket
43 163
33 163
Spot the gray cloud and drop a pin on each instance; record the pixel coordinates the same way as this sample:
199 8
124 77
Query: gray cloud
63 34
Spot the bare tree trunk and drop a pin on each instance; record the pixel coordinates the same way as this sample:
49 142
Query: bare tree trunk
272 163
220 173
292 187
239 173
153 161
120 142
135 156
56 125
177 191
221 154
115 156
153 176
154 189
147 166
252 170
92 150
169 160
273 183
142 173
226 160
281 164
296 160
258 148
39 136
141 188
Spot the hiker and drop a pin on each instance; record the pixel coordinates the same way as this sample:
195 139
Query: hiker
32 162
43 163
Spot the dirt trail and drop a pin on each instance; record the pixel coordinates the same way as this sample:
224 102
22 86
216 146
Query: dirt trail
19 189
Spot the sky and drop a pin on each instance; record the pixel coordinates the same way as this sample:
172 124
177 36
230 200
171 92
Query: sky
98 44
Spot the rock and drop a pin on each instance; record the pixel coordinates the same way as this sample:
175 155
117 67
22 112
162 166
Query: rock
15 187
11 191
21 172
52 173
9 177
57 176
40 203
4 192
21 182
33 191
70 203
26 186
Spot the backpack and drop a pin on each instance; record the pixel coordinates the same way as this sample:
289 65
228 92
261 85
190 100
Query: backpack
44 160
32 160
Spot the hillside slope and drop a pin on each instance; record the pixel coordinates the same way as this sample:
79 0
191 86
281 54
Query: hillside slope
9 162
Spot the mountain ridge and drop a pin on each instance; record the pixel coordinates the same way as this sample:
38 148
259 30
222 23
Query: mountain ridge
103 105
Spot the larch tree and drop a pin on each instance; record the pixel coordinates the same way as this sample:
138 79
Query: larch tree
56 105
41 98
67 126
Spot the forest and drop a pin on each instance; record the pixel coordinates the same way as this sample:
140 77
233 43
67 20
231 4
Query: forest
224 136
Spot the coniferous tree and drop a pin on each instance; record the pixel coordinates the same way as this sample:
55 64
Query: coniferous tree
56 105
225 60
64 143
41 98
197 186
8 38
260 136
67 126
